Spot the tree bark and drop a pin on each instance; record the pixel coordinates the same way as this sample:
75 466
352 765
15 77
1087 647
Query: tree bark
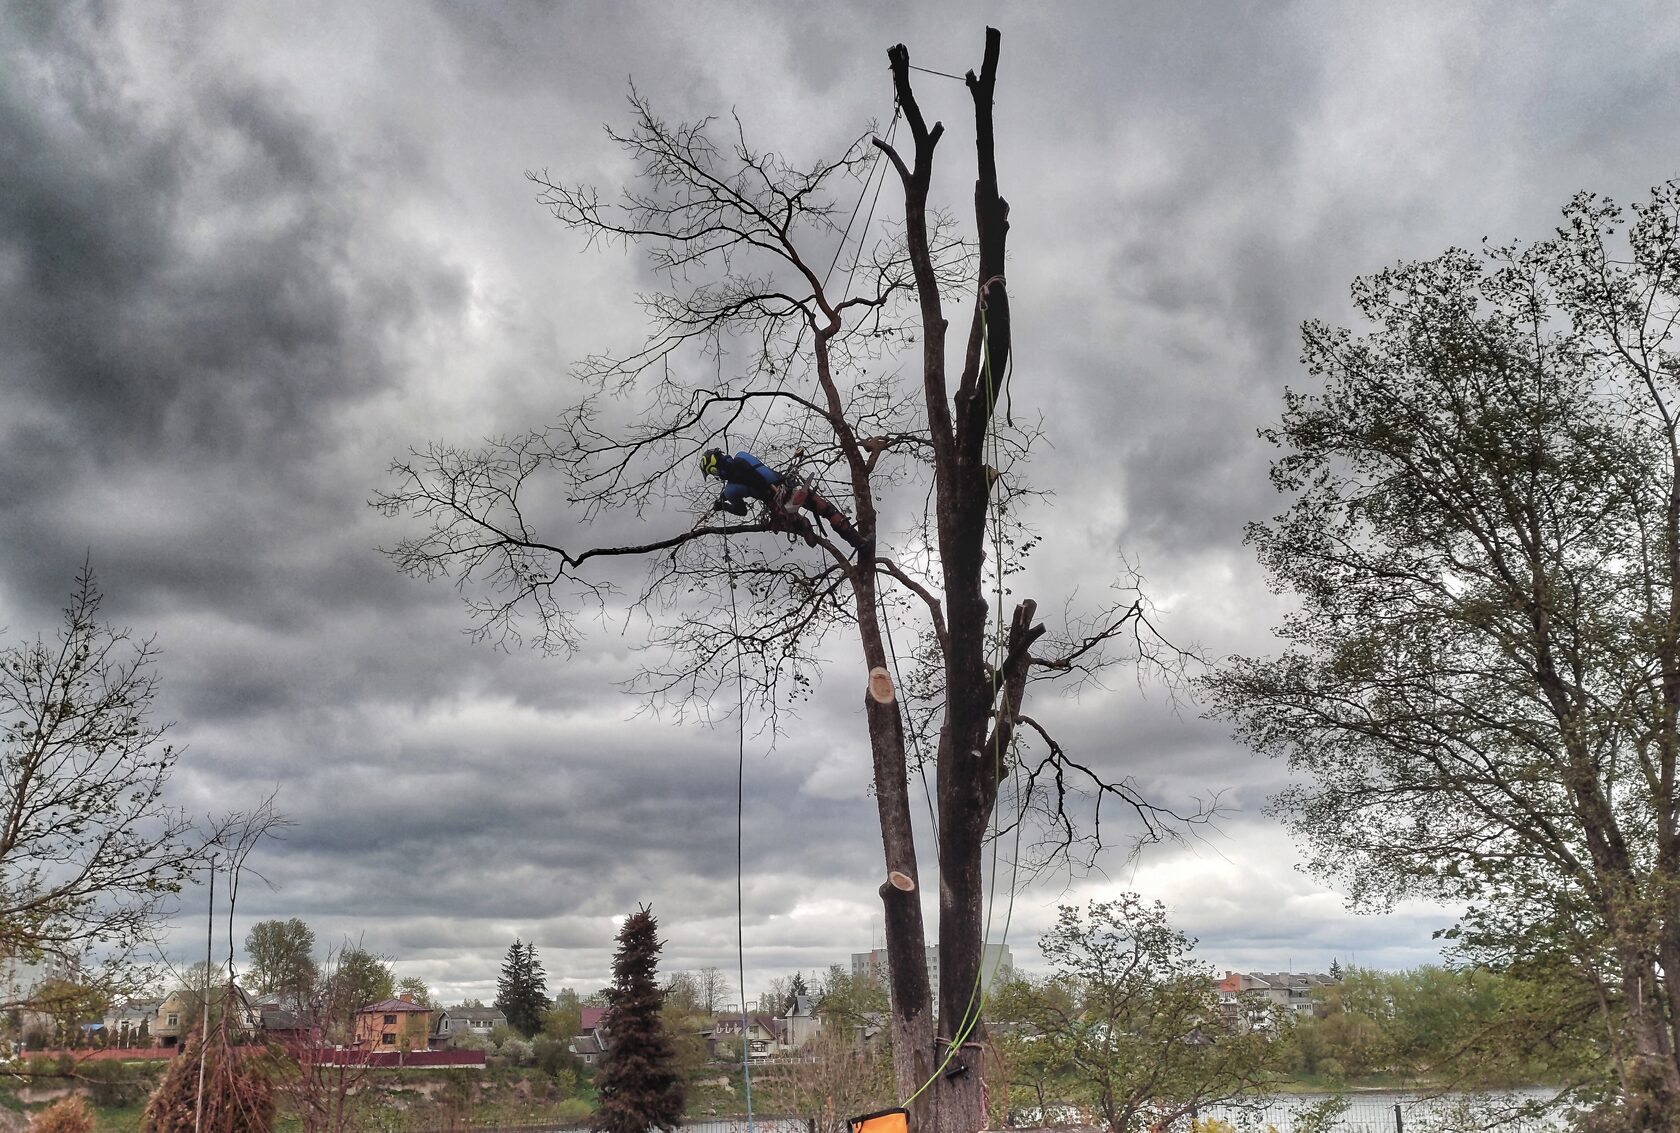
967 773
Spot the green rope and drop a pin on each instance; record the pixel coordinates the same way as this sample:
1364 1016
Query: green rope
975 1008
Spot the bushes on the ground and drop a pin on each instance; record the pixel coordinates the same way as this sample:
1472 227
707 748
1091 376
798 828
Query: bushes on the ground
111 1085
66 1115
238 1097
514 1052
572 1109
554 1057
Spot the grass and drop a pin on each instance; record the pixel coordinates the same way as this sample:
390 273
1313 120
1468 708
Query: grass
120 1119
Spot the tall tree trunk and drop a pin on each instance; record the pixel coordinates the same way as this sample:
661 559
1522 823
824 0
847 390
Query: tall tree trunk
967 772
901 898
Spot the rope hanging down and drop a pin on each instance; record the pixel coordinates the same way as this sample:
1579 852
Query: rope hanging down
740 826
975 1007
735 632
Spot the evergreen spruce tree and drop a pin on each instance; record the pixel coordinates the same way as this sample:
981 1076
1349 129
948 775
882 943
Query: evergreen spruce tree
640 1088
522 989
536 991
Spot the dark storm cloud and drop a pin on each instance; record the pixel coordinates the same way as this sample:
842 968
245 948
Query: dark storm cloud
247 255
178 283
189 309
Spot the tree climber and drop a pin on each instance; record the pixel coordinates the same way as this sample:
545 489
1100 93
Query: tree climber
745 477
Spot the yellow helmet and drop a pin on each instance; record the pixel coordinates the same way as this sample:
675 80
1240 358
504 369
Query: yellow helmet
709 461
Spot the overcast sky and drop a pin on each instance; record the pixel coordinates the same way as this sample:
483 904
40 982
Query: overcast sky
251 252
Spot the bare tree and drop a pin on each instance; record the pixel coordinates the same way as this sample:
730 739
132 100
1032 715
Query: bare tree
318 1075
90 852
714 989
221 1084
741 236
837 1078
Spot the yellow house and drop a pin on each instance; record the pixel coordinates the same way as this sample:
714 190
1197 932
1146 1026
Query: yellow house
394 1024
179 1016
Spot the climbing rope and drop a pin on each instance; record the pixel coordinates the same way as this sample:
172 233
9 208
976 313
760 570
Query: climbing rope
878 167
975 1008
740 825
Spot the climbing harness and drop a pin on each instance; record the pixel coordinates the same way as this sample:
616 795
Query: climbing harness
746 478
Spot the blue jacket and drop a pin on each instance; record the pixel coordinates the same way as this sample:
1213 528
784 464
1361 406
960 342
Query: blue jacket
745 477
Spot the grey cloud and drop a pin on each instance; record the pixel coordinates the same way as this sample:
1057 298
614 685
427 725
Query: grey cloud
234 283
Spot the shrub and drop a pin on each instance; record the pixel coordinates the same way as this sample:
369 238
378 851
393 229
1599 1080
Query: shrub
112 1085
66 1115
553 1056
238 1097
515 1052
572 1109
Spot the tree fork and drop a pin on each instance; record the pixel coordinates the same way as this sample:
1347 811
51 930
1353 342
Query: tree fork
966 787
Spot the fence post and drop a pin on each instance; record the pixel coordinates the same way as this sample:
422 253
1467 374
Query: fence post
1399 1122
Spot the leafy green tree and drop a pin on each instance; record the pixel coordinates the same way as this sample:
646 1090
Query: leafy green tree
356 978
1145 1033
686 1020
553 1056
69 1003
282 961
416 988
564 1019
1025 1017
1358 1029
639 1082
522 989
849 1002
90 851
1481 686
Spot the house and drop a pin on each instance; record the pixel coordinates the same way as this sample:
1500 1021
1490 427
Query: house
453 1022
181 1012
130 1019
800 1023
764 1036
292 1029
1296 993
589 1048
393 1024
591 1043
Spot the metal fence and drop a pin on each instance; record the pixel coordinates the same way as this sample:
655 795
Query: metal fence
1386 1113
774 1123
